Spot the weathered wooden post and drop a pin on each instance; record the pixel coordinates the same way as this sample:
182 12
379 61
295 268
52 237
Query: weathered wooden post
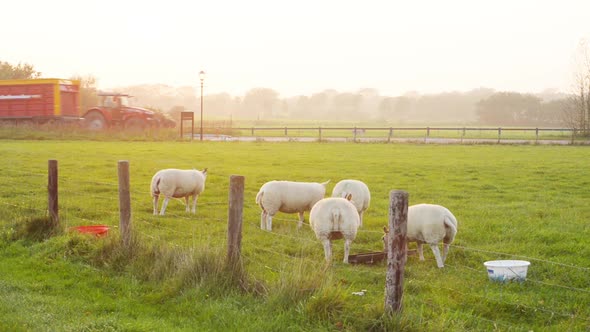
285 131
396 250
499 134
354 136
52 201
124 203
536 135
320 132
234 219
390 134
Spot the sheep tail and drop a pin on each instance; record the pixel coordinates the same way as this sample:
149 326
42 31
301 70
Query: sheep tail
259 198
155 188
451 223
336 220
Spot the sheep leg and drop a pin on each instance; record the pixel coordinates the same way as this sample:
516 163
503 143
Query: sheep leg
269 222
445 251
263 220
194 210
301 219
164 205
327 249
420 252
155 198
186 206
346 249
436 251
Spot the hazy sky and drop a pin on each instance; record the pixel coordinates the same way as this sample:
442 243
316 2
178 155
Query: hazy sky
303 46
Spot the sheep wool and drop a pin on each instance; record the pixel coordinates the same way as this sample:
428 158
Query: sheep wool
361 196
334 218
177 183
430 223
287 197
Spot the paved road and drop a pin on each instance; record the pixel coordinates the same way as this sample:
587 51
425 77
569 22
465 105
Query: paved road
383 140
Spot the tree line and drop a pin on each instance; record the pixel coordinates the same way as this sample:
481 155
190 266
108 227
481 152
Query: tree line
481 106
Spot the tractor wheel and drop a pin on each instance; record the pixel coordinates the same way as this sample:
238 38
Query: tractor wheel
95 121
135 124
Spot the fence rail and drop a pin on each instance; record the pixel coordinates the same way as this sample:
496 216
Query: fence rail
360 134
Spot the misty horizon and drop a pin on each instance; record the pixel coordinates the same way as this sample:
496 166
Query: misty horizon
303 47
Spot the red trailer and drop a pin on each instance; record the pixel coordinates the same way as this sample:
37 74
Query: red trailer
40 100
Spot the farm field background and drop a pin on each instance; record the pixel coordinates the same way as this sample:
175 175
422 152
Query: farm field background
512 202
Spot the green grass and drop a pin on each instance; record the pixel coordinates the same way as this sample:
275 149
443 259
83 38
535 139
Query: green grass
524 202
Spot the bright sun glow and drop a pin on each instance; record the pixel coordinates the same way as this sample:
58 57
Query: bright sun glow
301 47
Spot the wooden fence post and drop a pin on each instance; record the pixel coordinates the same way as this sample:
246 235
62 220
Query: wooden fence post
52 201
390 134
234 219
320 132
124 202
499 134
396 250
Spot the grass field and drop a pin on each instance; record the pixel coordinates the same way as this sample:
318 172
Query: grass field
512 202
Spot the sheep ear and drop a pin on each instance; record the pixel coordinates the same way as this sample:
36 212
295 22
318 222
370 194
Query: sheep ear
204 171
349 197
325 183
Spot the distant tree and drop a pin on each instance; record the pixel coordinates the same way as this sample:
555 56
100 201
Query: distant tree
550 113
300 107
386 108
175 111
88 91
577 111
320 103
369 102
508 109
219 105
16 72
259 103
346 106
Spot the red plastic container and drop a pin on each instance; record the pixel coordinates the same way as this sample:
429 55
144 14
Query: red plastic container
97 230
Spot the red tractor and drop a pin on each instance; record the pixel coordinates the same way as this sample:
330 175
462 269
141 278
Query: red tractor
115 111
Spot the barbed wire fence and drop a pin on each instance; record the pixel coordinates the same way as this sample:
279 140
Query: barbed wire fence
529 298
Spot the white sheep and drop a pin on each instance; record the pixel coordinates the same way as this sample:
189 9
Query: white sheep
359 191
287 197
177 183
334 218
429 223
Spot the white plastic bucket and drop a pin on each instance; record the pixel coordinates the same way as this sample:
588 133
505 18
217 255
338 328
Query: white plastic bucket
507 270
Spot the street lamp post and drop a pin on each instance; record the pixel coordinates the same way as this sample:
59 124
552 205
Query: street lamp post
202 78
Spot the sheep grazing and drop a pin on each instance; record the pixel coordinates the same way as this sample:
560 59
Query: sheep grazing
334 218
177 183
359 191
428 223
287 197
